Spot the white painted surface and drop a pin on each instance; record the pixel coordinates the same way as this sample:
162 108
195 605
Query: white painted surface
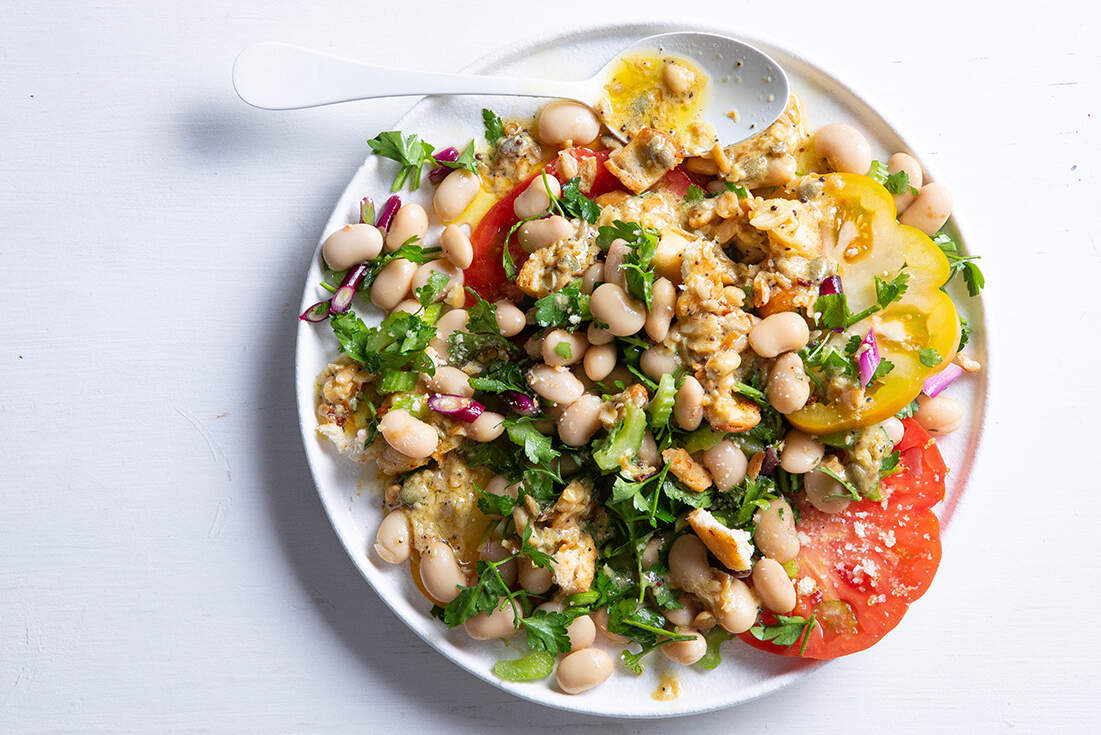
164 561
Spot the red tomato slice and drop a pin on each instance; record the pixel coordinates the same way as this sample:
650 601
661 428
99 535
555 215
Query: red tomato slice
869 562
486 274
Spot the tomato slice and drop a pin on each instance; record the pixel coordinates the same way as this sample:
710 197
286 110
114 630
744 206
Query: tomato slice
486 274
869 562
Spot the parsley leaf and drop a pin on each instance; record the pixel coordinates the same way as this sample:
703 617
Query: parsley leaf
899 183
546 631
537 447
397 343
908 411
494 505
714 638
406 251
433 289
482 340
887 292
694 194
786 631
408 150
960 263
965 334
929 357
890 464
499 376
397 381
834 308
572 203
483 597
849 487
482 317
495 129
465 160
567 307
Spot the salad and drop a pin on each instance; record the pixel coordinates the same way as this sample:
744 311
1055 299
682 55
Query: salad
633 392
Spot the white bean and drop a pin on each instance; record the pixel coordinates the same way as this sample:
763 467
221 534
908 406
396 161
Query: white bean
500 485
727 464
661 309
510 320
784 331
450 380
565 121
688 405
600 618
564 348
844 147
456 246
409 306
450 322
392 283
393 540
557 385
599 361
496 552
657 361
678 78
592 276
683 616
535 580
487 427
582 670
930 209
408 434
440 572
424 272
801 452
739 611
688 566
613 263
940 415
905 162
540 233
580 421
686 652
598 336
498 623
825 493
411 221
894 429
775 531
455 193
788 385
772 585
534 200
351 245
648 451
611 305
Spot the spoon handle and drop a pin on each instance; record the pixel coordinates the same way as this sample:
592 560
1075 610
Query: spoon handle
279 76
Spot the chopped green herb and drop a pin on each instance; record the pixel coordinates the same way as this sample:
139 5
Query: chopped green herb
899 183
785 631
890 464
499 376
849 487
408 150
965 334
465 160
960 263
572 203
637 264
546 631
396 381
694 194
908 411
929 357
431 291
494 127
714 638
537 447
567 307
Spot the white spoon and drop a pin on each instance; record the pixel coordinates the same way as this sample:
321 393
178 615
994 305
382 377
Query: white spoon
278 76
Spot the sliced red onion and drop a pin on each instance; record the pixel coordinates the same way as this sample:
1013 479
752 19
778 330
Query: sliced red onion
366 211
934 384
440 173
389 209
867 360
830 286
520 403
457 408
318 312
343 296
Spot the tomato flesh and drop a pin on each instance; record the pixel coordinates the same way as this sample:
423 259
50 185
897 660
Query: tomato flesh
486 274
872 560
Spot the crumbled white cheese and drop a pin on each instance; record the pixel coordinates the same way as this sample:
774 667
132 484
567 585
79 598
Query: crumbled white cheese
806 586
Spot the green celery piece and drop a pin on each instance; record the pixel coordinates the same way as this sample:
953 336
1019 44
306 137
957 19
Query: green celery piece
536 665
625 439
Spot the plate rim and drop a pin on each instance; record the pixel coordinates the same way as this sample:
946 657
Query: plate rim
536 43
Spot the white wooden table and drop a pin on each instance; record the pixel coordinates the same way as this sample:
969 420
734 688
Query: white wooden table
165 565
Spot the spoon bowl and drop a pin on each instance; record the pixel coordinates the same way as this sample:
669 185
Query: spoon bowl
742 80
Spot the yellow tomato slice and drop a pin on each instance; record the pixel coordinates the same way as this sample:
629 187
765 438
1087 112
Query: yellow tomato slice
873 243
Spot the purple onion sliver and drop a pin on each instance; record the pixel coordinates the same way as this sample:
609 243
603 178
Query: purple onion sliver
342 297
449 154
830 286
389 209
934 384
440 173
457 408
315 313
769 462
867 360
520 403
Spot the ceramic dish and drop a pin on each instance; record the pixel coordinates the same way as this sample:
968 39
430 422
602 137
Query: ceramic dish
350 493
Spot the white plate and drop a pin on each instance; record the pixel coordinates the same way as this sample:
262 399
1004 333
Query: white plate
350 493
